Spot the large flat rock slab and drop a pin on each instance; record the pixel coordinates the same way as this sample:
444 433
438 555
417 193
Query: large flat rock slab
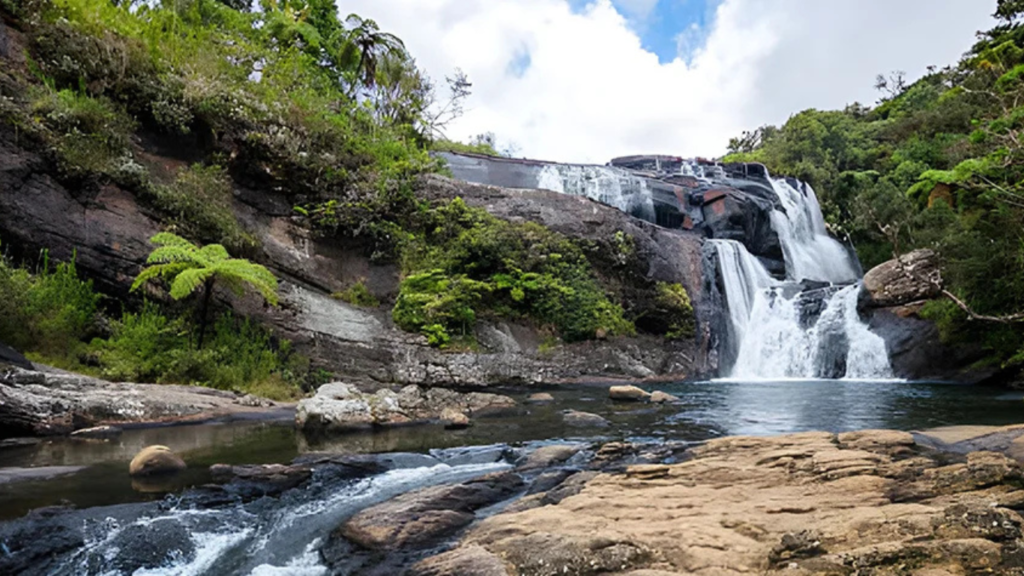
873 502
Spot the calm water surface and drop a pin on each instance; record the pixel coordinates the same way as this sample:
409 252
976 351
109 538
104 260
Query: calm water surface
708 410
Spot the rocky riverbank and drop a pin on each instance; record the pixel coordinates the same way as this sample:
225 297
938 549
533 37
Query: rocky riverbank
875 502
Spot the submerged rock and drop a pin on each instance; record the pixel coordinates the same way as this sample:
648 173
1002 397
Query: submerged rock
97 432
155 461
540 398
659 397
584 420
340 406
628 394
454 419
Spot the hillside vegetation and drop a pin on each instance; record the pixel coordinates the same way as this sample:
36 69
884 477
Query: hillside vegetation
937 163
182 103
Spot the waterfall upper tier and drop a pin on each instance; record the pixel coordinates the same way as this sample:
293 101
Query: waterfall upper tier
790 290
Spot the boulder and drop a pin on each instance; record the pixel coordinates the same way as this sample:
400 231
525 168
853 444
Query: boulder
547 456
425 516
628 394
339 406
584 419
154 461
540 398
659 397
454 419
12 357
915 276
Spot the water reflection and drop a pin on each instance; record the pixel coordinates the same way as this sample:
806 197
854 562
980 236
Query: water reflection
709 409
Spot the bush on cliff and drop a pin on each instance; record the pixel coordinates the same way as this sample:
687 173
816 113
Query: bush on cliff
461 262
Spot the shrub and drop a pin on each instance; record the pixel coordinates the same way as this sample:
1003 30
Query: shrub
47 313
674 304
358 295
198 205
460 261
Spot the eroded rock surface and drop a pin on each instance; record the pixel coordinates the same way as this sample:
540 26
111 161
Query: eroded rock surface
870 502
915 276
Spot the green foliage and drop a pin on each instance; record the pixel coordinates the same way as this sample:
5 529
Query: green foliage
674 304
480 147
187 268
461 262
358 295
198 205
49 312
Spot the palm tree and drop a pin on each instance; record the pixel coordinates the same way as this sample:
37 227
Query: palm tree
188 267
366 46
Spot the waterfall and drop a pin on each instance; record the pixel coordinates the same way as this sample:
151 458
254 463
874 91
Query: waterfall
811 254
779 329
611 186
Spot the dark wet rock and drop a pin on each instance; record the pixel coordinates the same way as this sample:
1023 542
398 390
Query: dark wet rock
465 561
916 350
579 419
425 516
628 394
148 546
12 357
31 545
473 454
548 456
339 407
155 461
548 480
260 480
99 432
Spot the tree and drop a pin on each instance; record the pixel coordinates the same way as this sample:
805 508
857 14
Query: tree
188 267
367 46
892 85
1009 11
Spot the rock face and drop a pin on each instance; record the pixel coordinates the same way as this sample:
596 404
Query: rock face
107 229
812 503
42 403
914 277
155 461
339 407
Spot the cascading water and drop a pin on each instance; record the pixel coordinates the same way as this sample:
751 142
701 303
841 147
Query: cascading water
611 186
781 330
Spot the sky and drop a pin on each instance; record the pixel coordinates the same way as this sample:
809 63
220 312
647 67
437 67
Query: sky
588 80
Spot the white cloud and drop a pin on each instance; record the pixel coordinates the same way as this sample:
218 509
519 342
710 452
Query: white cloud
592 92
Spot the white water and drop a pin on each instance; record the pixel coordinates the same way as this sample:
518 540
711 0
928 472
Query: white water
769 339
611 186
811 254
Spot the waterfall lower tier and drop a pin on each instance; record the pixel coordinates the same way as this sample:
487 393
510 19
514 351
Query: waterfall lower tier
781 330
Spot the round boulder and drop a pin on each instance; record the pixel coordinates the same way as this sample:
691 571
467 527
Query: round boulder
584 419
155 460
628 394
659 397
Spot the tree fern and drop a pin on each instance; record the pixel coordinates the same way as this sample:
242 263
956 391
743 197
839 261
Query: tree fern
187 267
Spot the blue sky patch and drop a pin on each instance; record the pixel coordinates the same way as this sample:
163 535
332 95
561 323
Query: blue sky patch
670 26
520 63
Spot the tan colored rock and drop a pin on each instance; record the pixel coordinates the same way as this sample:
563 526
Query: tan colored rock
540 398
466 561
915 277
659 397
812 503
155 460
454 419
628 394
547 456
